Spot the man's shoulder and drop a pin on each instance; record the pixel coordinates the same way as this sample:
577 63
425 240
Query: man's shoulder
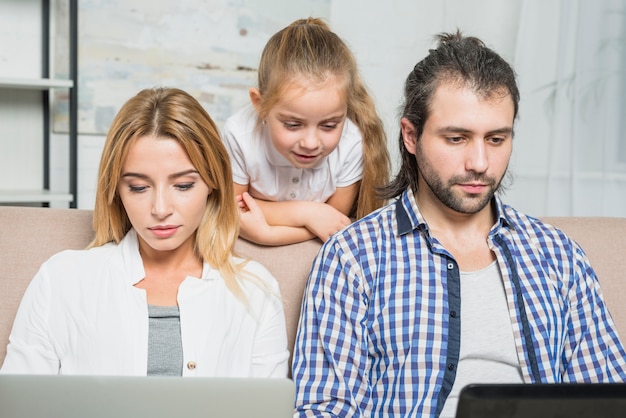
533 228
373 229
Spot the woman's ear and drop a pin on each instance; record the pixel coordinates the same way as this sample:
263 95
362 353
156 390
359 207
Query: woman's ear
409 135
255 97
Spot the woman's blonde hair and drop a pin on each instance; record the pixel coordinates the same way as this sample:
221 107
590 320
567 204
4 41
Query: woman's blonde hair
172 113
308 48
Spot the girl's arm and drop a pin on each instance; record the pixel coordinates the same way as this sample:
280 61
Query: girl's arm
254 226
280 223
344 197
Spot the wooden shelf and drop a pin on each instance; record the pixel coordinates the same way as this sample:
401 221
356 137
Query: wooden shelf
34 84
33 196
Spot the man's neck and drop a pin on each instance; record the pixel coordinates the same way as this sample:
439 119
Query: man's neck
463 235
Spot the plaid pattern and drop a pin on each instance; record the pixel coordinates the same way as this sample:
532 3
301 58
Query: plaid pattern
379 332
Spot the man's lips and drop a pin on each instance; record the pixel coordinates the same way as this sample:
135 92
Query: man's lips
473 188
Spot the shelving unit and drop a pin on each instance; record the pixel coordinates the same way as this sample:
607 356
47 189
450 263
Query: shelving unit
34 84
11 87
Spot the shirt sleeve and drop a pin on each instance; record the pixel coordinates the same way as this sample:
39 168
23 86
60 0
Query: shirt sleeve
30 350
594 352
350 150
236 154
330 353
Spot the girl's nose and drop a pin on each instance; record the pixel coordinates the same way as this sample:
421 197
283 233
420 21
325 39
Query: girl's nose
310 140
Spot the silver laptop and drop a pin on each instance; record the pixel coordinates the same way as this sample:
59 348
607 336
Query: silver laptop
547 400
29 396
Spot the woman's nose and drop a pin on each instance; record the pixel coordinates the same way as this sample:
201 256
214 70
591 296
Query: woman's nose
161 206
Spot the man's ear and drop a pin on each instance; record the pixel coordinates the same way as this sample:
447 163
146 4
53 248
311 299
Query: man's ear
255 97
409 135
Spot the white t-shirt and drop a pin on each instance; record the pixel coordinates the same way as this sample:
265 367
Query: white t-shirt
488 351
271 177
82 314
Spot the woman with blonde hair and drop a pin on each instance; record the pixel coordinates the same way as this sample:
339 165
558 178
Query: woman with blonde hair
310 151
159 291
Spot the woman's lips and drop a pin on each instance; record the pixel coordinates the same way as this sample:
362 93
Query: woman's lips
164 231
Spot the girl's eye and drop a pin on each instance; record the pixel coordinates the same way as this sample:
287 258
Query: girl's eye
291 125
329 126
185 186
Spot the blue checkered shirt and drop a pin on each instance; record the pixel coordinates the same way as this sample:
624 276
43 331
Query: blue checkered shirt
379 334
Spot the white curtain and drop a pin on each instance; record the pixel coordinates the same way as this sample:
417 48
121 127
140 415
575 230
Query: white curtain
569 155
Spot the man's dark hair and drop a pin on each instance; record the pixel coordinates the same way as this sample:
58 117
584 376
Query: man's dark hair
458 59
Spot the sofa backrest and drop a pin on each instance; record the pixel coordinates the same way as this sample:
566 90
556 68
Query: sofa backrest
31 235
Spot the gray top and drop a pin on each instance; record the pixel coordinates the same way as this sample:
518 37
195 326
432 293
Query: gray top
165 346
488 353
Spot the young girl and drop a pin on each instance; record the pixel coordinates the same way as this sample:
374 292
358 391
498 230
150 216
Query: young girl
310 151
159 292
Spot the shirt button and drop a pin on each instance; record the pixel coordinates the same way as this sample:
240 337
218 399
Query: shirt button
295 180
453 314
292 195
450 366
191 365
450 266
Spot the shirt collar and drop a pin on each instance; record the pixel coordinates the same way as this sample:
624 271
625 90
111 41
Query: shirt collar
133 264
410 218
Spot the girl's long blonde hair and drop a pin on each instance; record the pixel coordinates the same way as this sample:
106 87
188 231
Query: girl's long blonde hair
172 113
308 48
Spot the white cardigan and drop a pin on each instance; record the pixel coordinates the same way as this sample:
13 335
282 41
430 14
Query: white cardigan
81 314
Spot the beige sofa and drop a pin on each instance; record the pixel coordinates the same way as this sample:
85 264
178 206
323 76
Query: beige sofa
28 236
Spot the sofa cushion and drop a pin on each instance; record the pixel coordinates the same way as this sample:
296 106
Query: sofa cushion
31 235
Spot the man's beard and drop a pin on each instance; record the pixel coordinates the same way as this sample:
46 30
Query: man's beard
455 201
462 204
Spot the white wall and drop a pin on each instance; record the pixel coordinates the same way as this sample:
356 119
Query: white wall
388 38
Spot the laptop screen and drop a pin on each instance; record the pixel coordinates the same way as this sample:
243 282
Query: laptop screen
542 400
155 397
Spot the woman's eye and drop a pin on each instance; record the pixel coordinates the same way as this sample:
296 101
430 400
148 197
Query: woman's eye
185 186
137 189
